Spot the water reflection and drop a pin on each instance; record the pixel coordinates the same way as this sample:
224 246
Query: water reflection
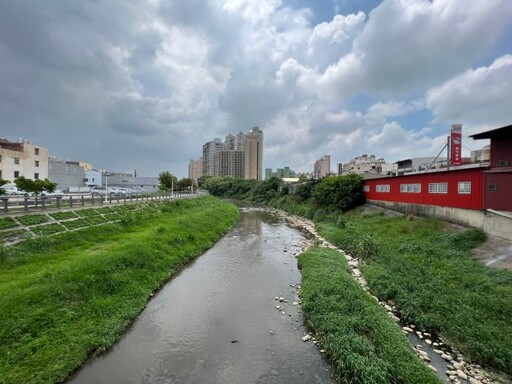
216 322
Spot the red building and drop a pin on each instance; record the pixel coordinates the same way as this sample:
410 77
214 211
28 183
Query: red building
461 188
498 178
476 188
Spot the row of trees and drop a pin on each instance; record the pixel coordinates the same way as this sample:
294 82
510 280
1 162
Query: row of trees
169 182
336 193
29 185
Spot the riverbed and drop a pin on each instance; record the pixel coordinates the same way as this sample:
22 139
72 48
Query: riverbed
232 316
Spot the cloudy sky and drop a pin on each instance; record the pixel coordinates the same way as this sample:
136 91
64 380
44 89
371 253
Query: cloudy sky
142 84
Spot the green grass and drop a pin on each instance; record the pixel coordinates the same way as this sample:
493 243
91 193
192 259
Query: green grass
32 219
7 222
363 343
48 229
428 271
75 224
87 212
66 215
70 296
8 236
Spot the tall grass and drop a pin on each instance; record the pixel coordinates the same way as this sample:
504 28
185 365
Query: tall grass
69 296
428 271
363 343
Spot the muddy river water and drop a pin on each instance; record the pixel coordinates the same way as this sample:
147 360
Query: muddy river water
217 321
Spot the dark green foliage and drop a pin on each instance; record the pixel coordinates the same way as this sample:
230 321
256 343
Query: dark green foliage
428 271
362 342
32 219
167 181
71 295
86 212
7 222
339 193
36 186
2 182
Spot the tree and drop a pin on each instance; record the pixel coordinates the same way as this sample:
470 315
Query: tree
184 183
2 182
35 186
339 192
167 181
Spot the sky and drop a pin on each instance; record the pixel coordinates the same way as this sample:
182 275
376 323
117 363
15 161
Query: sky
143 84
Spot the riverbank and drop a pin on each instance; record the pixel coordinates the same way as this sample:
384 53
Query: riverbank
428 274
70 296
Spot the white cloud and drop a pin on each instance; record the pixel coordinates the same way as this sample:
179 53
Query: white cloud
479 98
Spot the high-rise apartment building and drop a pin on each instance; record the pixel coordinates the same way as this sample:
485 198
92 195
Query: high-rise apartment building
253 149
22 158
209 151
229 162
240 156
322 167
195 169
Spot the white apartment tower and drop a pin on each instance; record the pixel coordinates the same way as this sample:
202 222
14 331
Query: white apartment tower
253 149
209 151
195 169
322 167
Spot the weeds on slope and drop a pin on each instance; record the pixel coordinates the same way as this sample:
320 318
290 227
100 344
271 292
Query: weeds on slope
70 296
428 271
363 343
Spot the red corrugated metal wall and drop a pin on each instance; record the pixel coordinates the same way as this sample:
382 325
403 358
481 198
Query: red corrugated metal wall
452 198
500 196
501 150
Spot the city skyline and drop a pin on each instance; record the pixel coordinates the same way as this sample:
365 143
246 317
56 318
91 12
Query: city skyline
140 85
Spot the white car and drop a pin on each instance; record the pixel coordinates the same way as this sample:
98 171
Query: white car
14 191
57 192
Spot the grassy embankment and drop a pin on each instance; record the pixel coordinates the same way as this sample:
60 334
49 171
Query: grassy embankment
66 297
364 345
426 269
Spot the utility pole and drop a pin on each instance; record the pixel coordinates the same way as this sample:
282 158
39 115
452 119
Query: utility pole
448 153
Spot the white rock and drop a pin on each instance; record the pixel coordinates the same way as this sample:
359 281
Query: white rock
432 367
278 306
451 373
388 308
438 351
306 338
447 357
428 341
458 365
461 374
295 303
472 380
407 329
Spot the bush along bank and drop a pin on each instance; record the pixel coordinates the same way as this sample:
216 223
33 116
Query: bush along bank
363 343
426 271
67 297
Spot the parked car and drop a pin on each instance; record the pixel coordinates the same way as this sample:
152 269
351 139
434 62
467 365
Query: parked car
14 191
57 192
102 191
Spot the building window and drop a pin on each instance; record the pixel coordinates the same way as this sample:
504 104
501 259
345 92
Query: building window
16 160
36 176
0 173
366 188
383 188
438 188
464 187
36 151
493 187
503 163
408 188
36 163
16 174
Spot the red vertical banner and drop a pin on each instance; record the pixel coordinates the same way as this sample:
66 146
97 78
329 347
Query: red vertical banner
456 144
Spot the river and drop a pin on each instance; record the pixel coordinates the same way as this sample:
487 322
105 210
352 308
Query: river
217 321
